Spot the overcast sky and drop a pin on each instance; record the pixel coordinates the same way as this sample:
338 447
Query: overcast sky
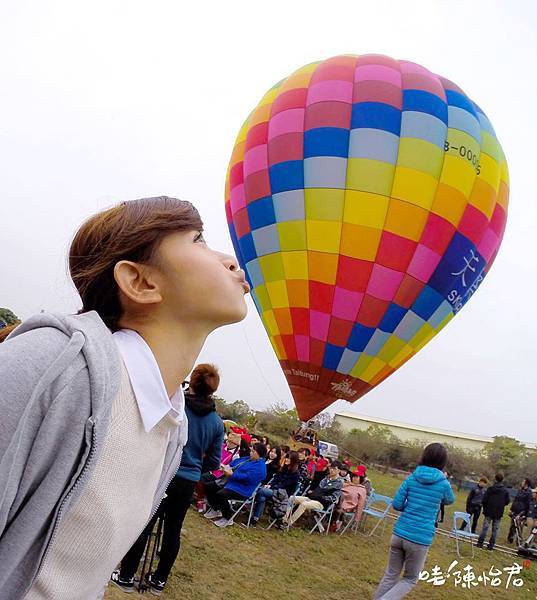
105 101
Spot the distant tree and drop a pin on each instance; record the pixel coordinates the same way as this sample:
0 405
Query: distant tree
237 411
504 454
8 317
278 420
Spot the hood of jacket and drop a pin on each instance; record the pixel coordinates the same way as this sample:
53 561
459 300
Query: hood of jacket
89 335
428 475
200 405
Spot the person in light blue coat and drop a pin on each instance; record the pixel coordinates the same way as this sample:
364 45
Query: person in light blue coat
418 499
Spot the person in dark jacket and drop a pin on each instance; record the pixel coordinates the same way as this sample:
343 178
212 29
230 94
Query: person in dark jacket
520 507
303 471
201 454
287 478
272 463
328 492
243 476
418 499
495 499
531 521
474 502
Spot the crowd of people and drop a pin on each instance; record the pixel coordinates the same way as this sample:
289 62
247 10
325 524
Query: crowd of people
299 480
493 500
93 415
221 470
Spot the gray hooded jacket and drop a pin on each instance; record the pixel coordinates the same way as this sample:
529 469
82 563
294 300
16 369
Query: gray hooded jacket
58 377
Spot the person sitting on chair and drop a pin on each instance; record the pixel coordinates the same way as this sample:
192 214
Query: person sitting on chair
353 499
286 478
243 476
328 492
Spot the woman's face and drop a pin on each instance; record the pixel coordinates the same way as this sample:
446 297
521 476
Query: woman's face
272 454
287 461
198 284
253 454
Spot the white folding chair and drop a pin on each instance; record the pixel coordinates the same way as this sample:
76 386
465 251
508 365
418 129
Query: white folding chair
349 518
320 515
242 504
377 507
463 534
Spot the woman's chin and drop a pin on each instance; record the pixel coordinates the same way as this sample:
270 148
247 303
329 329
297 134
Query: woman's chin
237 315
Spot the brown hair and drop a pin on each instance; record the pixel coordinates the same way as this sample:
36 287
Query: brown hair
128 231
5 331
204 380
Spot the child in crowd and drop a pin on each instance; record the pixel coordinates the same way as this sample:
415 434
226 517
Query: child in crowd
418 499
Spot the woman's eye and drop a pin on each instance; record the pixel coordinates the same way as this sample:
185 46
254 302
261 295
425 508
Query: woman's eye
199 238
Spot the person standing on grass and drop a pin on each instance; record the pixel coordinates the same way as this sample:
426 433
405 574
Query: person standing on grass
93 423
474 502
418 499
495 499
520 506
201 454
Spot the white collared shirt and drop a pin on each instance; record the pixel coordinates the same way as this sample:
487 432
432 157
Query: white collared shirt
147 383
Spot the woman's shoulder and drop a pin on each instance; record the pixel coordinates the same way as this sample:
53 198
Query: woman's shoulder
27 355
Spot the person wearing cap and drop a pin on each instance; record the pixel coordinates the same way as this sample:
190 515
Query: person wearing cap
362 472
353 499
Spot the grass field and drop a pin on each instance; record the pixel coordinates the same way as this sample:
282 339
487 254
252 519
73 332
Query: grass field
255 564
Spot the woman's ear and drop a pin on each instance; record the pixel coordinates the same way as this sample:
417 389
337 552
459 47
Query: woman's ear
137 282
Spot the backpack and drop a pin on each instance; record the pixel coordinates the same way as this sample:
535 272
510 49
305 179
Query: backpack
279 503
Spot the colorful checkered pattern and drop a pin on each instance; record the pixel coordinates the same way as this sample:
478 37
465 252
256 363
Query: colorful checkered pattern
366 199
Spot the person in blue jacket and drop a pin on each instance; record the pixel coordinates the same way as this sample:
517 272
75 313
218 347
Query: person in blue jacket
243 475
418 499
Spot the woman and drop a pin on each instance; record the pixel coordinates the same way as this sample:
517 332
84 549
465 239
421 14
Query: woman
273 463
418 499
353 499
201 453
243 476
286 478
93 423
321 470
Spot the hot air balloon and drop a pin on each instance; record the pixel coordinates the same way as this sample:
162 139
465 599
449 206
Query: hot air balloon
366 199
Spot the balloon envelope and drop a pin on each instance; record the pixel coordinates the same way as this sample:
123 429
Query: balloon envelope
366 199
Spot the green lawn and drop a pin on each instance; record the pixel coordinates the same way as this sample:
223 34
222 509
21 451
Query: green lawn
255 564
